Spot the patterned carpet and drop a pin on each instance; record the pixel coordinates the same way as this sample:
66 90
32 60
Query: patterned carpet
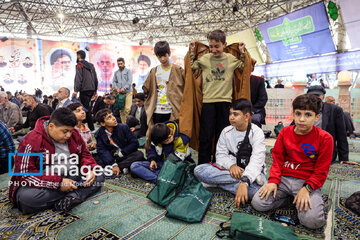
125 213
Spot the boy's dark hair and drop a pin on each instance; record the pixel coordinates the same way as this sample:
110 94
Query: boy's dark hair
101 114
74 106
63 117
217 35
307 102
109 97
159 133
120 59
161 48
81 53
243 105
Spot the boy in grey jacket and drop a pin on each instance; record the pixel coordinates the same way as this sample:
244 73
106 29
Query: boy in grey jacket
240 156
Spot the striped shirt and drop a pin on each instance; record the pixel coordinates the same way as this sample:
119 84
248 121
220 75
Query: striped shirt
6 141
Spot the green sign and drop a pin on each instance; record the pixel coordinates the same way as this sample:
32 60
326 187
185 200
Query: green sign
290 31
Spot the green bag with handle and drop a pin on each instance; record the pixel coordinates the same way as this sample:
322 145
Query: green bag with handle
169 182
250 227
278 128
120 102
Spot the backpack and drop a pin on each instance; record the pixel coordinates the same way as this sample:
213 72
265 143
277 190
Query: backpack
278 128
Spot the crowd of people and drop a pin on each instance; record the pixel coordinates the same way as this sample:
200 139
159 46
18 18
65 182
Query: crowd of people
226 126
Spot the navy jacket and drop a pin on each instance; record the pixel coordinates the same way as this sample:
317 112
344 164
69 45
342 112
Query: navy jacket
122 136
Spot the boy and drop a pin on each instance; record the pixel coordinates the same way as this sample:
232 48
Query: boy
217 87
240 156
64 152
302 157
137 116
165 140
115 143
163 89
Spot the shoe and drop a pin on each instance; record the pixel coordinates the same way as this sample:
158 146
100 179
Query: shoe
125 171
208 185
66 204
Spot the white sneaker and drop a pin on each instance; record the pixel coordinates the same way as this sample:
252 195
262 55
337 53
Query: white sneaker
208 185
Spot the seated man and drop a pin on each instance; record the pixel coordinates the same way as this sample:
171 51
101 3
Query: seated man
302 156
349 125
97 103
13 99
10 113
63 96
66 161
116 145
165 139
137 116
6 146
240 156
35 111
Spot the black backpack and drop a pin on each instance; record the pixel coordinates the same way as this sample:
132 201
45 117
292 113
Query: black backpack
244 150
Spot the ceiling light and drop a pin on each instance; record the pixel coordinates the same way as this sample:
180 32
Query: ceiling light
135 20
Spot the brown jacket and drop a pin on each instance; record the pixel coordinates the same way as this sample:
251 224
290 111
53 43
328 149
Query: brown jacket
191 103
174 92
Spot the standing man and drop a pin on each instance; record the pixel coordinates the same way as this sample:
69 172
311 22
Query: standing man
86 83
122 82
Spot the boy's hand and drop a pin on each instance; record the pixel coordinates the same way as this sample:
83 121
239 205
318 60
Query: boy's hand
302 199
241 195
90 179
116 170
267 189
236 171
67 185
132 129
242 47
192 45
153 165
12 129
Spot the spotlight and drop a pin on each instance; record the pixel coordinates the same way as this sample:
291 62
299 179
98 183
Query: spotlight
135 20
87 48
61 30
4 39
235 9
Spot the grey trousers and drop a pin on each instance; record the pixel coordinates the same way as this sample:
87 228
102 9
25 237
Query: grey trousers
31 199
312 218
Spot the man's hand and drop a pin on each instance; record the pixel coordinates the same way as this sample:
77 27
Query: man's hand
242 47
132 129
302 200
267 189
236 171
241 195
116 170
349 163
153 165
12 129
192 45
67 185
91 146
90 178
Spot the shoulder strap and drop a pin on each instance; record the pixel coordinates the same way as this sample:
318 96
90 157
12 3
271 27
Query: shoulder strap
246 138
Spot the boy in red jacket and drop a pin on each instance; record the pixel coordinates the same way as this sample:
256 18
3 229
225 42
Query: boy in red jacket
302 156
66 162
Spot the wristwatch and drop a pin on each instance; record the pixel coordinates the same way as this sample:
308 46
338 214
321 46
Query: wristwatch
308 187
245 180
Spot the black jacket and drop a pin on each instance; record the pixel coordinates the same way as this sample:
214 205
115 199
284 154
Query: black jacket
259 96
122 136
85 77
97 105
142 127
32 116
333 122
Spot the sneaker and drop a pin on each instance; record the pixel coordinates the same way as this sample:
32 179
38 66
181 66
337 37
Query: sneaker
208 185
66 204
125 171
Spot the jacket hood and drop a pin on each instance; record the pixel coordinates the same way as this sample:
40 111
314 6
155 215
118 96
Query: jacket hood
40 129
86 64
174 126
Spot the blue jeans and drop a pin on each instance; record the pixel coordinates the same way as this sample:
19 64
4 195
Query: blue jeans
142 170
207 173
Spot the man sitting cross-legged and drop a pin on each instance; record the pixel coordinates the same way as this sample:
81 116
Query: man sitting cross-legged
66 161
